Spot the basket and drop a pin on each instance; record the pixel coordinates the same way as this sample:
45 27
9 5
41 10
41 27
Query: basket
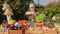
15 32
3 32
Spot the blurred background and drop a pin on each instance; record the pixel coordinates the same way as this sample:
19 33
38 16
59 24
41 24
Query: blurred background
50 8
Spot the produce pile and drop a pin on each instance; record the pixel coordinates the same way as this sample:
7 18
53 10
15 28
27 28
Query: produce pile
38 30
20 24
14 25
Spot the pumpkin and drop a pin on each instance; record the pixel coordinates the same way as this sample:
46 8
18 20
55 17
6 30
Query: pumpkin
11 22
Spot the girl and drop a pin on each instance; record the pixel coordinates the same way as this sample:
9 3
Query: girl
31 13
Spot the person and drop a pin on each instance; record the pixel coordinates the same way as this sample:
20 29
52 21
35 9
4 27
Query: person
7 11
31 13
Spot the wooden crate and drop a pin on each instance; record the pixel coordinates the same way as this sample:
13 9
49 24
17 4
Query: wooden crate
42 32
54 32
51 32
19 31
15 31
28 32
34 32
5 32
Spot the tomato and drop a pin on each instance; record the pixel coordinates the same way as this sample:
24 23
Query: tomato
39 25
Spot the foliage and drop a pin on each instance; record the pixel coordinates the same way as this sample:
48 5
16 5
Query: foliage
49 11
52 10
19 7
40 17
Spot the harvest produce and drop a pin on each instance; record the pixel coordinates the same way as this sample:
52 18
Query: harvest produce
39 25
11 22
24 23
50 25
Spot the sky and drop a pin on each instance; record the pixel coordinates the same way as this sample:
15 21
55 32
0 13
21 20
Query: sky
44 2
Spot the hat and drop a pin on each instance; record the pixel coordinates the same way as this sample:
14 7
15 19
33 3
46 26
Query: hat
31 5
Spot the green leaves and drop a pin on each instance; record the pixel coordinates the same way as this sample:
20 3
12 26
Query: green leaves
19 7
49 11
40 17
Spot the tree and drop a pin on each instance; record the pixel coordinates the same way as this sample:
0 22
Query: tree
19 8
50 10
